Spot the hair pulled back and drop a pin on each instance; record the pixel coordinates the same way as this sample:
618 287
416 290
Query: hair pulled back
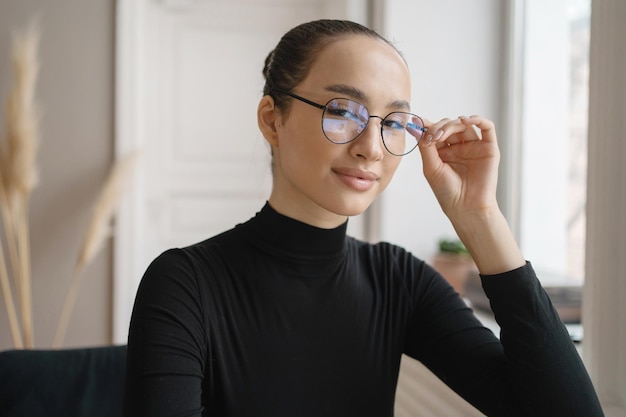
288 64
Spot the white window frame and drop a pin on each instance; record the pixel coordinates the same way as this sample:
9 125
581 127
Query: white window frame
604 291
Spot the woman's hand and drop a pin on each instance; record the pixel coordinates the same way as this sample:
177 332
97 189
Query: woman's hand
460 158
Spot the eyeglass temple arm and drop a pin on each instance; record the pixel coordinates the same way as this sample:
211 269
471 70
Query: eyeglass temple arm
297 97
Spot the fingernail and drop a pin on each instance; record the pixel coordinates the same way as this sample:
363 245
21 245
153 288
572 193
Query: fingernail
429 139
439 135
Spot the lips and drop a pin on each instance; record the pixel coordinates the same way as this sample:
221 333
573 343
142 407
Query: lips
357 179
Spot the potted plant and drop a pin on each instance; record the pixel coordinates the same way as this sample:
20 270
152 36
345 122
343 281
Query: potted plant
454 263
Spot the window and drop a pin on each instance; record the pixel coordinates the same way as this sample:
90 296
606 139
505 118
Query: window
553 142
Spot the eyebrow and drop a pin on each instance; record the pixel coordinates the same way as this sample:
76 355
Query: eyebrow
361 96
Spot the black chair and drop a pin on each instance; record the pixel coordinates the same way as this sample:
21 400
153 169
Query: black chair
84 382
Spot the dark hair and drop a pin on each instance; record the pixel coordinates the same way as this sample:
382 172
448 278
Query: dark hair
288 64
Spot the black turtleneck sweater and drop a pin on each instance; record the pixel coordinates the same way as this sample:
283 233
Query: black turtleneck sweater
276 318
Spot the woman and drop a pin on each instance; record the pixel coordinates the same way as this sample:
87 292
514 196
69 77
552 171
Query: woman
284 315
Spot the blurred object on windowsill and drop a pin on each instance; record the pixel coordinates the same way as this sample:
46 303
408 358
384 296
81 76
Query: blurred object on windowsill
454 263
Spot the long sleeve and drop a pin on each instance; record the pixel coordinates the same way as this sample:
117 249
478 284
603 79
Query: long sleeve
166 344
533 370
549 377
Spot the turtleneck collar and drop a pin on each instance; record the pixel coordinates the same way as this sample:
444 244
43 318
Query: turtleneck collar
292 239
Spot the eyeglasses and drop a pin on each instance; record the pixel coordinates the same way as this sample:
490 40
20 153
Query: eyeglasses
343 121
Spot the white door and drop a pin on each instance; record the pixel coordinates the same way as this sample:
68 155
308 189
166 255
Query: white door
189 80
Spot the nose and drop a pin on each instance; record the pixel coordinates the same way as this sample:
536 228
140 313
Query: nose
369 144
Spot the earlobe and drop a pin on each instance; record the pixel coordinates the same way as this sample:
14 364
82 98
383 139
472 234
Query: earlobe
268 120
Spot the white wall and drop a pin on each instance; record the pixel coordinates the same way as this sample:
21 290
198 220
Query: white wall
453 49
75 92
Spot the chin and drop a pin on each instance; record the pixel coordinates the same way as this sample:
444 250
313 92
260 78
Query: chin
351 208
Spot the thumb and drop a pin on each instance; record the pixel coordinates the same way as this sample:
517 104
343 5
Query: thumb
431 160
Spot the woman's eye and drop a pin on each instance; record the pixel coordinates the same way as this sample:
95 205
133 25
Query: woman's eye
393 125
344 113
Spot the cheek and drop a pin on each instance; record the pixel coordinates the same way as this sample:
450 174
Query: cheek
307 157
390 168
305 145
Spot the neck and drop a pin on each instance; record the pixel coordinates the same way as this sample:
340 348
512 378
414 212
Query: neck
311 214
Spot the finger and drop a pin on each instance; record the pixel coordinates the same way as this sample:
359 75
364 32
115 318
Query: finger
430 155
430 158
435 130
486 128
450 132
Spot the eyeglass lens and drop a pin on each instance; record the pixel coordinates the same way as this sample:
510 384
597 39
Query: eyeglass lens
344 120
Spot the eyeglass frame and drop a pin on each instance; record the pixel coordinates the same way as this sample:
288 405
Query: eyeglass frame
324 107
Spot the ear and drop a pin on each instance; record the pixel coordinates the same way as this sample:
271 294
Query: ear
268 120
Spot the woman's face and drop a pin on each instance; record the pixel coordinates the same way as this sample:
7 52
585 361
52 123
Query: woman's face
315 180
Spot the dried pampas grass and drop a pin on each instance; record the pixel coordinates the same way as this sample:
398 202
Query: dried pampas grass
22 118
99 230
8 302
18 178
18 175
